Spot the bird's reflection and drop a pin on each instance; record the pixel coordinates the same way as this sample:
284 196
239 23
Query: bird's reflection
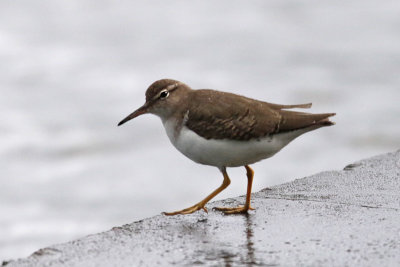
249 256
238 250
251 260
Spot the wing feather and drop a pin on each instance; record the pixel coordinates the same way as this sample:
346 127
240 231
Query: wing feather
220 115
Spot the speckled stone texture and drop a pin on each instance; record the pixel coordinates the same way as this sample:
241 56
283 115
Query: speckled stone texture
334 218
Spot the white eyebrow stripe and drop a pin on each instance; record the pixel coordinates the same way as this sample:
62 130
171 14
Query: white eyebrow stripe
169 88
172 86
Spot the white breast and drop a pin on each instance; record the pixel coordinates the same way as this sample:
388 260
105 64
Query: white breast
224 152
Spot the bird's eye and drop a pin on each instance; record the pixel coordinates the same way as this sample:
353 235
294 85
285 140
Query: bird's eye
164 94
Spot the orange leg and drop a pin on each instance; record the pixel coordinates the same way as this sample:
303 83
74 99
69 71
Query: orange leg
246 207
202 204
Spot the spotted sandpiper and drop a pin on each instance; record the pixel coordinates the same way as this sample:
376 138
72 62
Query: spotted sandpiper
224 130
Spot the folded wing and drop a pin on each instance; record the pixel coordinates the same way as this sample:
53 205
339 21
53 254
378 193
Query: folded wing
227 116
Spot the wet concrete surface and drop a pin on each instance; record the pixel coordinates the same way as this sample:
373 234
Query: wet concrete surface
336 218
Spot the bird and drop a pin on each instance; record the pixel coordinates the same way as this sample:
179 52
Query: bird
224 130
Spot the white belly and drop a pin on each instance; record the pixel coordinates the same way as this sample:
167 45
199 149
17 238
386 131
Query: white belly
224 152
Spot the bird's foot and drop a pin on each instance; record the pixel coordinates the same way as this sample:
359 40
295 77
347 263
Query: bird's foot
235 210
196 207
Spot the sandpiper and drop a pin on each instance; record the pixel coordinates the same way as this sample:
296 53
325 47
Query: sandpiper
224 130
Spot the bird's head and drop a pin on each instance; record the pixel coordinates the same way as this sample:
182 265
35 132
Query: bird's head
162 99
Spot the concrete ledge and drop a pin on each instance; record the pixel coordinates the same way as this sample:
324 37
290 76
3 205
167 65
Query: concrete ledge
335 218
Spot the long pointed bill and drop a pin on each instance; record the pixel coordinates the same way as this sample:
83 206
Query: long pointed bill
138 112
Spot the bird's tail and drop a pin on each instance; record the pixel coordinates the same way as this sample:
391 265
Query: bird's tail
297 120
279 106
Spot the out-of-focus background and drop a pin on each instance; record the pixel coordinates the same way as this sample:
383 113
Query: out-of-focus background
71 70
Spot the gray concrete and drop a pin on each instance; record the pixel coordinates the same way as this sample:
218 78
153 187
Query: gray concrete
334 218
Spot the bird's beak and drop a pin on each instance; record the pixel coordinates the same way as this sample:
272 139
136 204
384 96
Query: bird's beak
140 111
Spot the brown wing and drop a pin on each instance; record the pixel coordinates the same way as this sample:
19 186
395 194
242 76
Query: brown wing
292 120
220 115
279 106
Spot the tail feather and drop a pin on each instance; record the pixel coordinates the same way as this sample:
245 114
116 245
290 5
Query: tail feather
279 106
297 120
326 121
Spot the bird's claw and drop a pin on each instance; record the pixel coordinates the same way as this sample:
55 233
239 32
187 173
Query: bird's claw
189 210
235 210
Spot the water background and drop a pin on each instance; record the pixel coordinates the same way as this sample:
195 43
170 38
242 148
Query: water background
70 70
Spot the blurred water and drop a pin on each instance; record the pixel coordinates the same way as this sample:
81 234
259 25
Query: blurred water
70 70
